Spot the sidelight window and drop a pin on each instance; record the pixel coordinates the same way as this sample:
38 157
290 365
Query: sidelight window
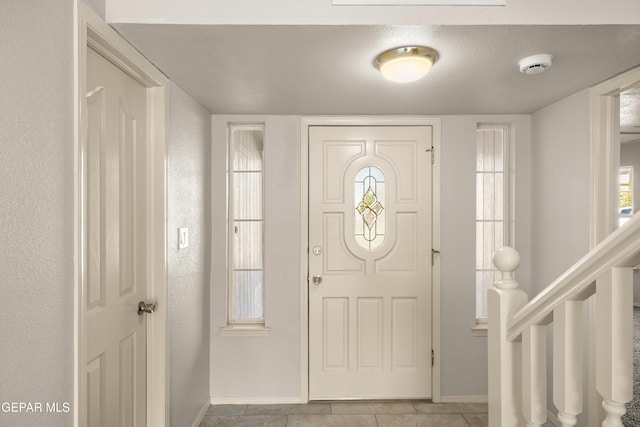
246 225
491 207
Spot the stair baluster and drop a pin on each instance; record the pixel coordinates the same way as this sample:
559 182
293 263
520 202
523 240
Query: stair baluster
567 361
534 375
614 335
517 343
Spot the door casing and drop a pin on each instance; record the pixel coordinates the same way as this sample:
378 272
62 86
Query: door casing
605 161
306 122
93 32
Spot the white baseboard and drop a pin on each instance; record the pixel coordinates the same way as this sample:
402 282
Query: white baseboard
464 399
255 400
203 412
553 419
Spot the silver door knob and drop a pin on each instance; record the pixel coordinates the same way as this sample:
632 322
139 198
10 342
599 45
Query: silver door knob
317 279
146 307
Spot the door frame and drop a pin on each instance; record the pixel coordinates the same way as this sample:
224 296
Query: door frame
92 31
307 122
604 142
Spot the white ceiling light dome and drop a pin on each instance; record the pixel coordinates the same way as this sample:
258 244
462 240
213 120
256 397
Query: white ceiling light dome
535 64
406 64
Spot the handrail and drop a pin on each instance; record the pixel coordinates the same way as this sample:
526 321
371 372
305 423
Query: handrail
620 249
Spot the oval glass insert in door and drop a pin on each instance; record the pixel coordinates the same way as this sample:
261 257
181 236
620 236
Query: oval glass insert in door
369 207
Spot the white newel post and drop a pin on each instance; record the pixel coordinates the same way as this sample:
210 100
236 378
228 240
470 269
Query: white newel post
505 357
614 341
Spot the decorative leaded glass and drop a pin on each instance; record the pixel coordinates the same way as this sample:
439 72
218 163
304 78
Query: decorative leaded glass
369 212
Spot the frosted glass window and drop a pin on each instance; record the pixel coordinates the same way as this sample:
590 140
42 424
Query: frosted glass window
248 294
491 207
369 211
246 224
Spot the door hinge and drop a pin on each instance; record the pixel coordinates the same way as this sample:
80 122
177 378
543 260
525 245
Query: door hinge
433 358
434 252
432 151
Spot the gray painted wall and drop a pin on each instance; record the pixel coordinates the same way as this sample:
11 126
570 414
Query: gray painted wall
36 217
464 357
262 367
36 207
561 173
189 195
269 367
36 222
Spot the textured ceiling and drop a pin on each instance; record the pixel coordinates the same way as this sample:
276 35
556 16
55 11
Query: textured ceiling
318 70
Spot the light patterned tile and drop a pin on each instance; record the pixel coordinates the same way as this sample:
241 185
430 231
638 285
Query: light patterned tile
294 409
245 421
477 420
451 408
372 408
421 420
332 421
223 410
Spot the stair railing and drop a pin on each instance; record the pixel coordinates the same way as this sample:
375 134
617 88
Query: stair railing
518 343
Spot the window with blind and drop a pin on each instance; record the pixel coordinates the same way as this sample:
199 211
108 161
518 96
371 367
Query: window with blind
491 207
246 225
626 194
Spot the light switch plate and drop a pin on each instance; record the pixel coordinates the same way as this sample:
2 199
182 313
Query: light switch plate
183 237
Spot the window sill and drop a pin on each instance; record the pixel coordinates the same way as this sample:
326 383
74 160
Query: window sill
481 328
245 330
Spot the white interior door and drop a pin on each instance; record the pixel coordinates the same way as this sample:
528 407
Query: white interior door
370 262
116 257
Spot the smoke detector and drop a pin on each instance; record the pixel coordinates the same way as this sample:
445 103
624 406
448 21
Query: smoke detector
535 64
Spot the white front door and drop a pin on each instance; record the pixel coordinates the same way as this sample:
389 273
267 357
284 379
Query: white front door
115 233
370 262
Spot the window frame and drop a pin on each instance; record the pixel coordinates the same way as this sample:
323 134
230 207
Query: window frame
242 326
481 326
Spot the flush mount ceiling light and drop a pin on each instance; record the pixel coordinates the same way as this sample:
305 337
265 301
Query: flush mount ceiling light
535 64
406 64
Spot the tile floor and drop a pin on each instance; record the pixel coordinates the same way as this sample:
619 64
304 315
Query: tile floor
350 414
